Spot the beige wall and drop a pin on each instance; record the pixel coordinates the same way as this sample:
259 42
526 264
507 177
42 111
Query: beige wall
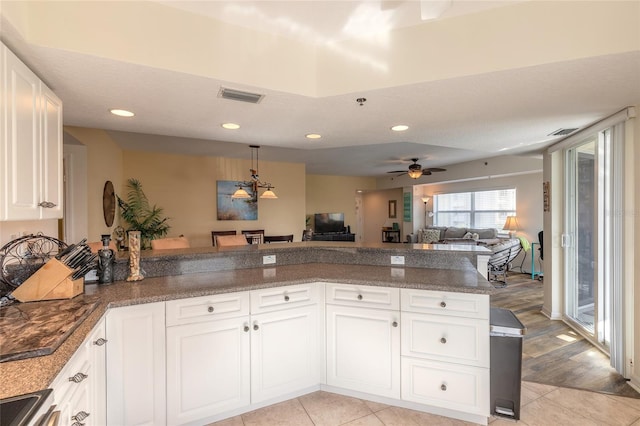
104 162
335 194
376 213
185 187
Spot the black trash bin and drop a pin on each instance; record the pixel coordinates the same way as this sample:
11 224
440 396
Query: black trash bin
506 336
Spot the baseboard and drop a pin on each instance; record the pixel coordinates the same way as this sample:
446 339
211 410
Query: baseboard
634 382
554 316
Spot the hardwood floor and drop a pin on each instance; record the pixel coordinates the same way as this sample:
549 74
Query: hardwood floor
554 354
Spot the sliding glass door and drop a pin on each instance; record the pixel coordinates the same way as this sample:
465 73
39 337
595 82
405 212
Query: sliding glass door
593 240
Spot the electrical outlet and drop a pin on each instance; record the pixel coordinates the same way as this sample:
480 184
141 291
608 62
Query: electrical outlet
269 273
397 260
269 259
397 272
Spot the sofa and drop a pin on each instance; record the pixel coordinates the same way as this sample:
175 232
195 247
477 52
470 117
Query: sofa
504 250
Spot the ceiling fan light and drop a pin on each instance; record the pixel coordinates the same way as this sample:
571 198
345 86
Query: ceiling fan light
240 194
415 174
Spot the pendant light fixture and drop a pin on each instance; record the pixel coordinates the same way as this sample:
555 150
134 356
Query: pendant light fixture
255 182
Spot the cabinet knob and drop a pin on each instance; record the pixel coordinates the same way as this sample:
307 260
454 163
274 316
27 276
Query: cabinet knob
210 309
359 297
443 387
47 204
246 328
286 298
77 378
100 342
256 327
443 340
395 323
443 304
80 416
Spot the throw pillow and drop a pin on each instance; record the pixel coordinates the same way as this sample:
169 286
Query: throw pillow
471 236
430 236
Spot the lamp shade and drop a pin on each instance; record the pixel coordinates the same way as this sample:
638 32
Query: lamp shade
415 174
269 194
511 224
240 193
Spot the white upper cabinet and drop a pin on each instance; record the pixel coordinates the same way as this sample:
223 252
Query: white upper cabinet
30 144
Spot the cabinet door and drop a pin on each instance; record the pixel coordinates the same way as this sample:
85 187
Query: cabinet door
207 369
363 350
51 156
136 365
97 383
20 141
284 352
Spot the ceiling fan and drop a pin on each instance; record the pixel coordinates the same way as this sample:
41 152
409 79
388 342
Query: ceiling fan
415 170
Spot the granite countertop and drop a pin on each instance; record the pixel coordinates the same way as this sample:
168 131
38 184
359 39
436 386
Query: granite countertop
29 375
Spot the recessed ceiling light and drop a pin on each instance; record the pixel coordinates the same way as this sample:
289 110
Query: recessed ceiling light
313 136
400 128
121 112
231 126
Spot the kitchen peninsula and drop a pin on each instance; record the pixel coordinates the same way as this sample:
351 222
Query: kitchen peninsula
326 286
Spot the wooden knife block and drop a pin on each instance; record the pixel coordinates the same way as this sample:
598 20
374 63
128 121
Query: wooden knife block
52 281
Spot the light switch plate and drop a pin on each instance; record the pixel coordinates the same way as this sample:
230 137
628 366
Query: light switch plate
269 259
397 260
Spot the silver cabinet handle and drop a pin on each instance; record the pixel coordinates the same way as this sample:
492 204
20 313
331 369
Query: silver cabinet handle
77 378
246 328
80 416
286 298
47 204
443 340
395 323
210 309
100 342
443 387
443 304
359 297
256 327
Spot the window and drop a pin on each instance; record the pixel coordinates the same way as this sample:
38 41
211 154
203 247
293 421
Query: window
481 209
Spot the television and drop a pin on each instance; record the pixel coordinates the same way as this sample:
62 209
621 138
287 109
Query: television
329 223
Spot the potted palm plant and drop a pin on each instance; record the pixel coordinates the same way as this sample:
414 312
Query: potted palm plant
138 213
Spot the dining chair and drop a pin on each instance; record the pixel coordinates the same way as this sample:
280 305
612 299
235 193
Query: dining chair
170 243
278 238
231 240
254 236
215 234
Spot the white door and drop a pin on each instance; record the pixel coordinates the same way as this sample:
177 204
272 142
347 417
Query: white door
363 350
207 369
136 365
20 154
284 352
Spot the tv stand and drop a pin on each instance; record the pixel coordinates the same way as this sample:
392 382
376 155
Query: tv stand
334 237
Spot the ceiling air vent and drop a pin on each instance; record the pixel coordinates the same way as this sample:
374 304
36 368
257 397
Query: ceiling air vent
237 95
562 132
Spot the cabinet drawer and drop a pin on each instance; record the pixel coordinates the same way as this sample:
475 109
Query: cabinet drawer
205 308
76 374
363 295
446 303
455 387
443 338
272 299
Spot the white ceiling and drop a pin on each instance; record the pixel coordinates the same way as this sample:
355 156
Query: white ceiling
451 120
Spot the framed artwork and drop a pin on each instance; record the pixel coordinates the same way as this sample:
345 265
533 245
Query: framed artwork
407 206
392 209
236 209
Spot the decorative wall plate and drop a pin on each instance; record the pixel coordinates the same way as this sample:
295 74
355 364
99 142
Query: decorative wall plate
108 203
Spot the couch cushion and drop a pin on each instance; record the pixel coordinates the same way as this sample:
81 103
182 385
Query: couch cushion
485 233
440 228
430 236
453 232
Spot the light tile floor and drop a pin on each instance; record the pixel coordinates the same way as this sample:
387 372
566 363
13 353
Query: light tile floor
541 405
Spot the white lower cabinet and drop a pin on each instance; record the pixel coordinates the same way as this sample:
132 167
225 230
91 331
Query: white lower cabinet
363 345
284 352
207 369
136 365
79 389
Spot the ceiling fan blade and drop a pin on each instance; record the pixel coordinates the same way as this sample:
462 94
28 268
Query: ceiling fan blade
398 171
425 172
434 169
